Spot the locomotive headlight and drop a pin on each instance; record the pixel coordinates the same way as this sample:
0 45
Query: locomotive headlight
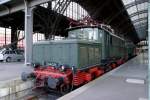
62 68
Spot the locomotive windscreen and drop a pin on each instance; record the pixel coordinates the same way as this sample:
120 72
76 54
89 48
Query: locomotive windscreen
84 34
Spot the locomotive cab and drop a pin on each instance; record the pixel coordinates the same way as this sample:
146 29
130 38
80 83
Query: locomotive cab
84 33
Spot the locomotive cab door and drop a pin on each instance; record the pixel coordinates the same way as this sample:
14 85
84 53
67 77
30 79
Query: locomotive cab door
106 44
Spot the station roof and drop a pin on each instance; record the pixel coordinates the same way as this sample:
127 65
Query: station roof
41 15
113 13
138 12
117 13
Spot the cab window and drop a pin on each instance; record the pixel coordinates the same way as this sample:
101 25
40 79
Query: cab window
84 34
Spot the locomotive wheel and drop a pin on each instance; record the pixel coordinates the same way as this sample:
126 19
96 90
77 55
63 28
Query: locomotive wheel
52 83
65 89
108 68
114 65
93 76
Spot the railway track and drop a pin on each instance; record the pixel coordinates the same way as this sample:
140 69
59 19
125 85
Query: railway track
32 94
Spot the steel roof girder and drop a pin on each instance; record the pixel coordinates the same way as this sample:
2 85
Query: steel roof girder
135 3
139 12
140 19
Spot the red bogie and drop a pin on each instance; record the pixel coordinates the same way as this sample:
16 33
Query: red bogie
99 73
77 78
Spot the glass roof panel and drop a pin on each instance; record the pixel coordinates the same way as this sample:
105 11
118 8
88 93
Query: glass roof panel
139 22
127 1
137 14
74 10
142 6
142 15
140 25
134 17
132 9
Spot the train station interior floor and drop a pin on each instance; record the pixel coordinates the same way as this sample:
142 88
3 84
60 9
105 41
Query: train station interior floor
127 82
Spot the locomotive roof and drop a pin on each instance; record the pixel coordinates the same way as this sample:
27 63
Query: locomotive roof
83 26
94 26
67 41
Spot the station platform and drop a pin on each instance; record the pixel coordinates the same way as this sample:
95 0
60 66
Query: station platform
127 82
11 85
12 70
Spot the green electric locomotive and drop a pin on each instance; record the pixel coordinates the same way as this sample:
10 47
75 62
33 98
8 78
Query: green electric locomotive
84 46
88 52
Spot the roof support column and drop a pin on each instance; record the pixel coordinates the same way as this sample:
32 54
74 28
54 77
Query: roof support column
5 36
28 33
14 37
149 41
